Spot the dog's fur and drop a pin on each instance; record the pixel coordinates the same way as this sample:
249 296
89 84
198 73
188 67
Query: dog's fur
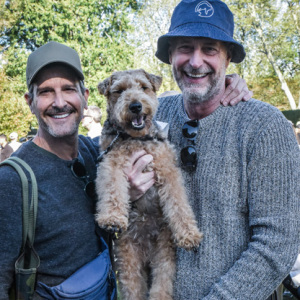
145 249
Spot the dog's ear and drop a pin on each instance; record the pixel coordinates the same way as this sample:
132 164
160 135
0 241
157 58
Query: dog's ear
103 86
155 81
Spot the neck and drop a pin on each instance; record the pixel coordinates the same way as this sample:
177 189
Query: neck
65 148
197 111
200 110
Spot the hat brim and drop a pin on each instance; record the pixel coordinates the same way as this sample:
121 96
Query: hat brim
56 61
198 30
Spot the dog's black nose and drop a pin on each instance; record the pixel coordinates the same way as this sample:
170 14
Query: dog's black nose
135 107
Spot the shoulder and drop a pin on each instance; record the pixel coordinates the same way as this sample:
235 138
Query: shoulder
89 149
267 127
259 113
7 174
89 144
169 106
257 105
169 100
28 154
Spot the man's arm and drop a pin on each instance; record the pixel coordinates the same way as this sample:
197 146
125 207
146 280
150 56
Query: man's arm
273 200
11 227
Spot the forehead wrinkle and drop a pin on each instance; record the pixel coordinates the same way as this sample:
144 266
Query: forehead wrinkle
122 82
143 81
128 82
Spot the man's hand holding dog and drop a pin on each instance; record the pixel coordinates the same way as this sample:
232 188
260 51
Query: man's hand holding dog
139 181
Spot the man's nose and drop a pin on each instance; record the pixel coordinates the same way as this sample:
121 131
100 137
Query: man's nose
196 59
59 100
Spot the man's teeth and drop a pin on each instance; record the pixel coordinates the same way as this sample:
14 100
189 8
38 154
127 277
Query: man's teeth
196 75
60 116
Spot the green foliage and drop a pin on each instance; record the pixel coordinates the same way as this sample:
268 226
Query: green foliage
269 30
96 29
152 22
114 35
15 114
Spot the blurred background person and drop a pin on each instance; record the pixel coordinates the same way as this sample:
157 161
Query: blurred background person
14 143
5 149
91 121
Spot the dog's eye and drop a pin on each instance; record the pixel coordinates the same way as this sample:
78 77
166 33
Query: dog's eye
145 88
118 91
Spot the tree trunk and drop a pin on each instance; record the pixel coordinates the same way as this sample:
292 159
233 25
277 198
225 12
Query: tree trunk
284 85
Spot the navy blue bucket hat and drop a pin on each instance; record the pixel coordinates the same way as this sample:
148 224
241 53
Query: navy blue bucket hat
194 18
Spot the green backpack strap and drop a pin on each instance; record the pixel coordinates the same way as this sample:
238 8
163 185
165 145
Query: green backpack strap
28 262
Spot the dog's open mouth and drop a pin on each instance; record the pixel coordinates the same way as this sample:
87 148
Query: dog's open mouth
138 123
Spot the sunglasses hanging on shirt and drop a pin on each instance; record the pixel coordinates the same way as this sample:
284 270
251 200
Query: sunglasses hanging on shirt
188 154
79 171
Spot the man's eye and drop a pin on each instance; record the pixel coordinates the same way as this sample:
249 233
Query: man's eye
71 89
44 92
184 48
210 50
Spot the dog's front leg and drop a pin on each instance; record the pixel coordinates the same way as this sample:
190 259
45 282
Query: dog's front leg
113 197
176 208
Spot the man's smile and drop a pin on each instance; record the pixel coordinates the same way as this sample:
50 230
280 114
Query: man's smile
60 116
196 75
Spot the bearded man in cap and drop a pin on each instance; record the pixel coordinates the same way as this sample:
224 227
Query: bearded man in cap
64 166
241 164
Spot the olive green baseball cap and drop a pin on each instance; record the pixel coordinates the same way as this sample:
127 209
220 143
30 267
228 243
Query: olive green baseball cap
52 52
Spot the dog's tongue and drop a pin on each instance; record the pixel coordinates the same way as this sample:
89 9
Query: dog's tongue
138 121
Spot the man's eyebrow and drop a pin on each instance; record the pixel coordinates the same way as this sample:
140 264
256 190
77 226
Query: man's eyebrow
40 89
67 85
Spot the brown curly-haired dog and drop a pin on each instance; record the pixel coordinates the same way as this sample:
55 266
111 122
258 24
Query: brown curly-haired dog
162 218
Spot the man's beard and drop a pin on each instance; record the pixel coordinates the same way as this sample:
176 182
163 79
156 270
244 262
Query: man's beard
59 132
194 93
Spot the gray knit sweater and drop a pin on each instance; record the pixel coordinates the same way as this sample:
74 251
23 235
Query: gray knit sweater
245 194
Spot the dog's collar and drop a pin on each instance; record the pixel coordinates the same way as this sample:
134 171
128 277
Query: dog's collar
100 157
125 136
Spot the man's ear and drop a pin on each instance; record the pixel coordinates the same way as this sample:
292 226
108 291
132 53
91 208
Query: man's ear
86 96
227 61
170 56
29 100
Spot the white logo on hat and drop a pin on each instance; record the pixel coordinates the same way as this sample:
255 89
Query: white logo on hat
205 9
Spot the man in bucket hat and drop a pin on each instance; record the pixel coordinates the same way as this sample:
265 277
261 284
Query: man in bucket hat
241 165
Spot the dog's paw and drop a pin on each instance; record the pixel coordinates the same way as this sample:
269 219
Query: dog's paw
190 241
112 224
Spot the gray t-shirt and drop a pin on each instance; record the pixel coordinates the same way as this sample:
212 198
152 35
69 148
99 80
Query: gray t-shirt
65 236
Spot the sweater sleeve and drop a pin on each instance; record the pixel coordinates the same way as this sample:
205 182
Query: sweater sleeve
273 176
11 226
